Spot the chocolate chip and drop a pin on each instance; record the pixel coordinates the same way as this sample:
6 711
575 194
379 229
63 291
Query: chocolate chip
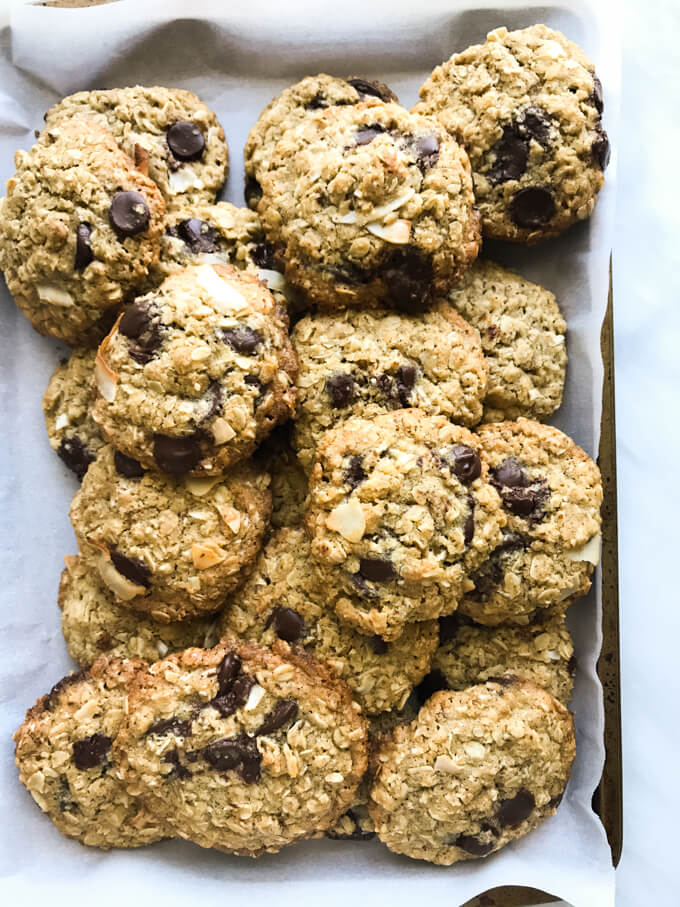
135 321
430 684
448 628
129 213
243 339
426 149
131 568
512 155
355 474
597 97
172 758
532 207
318 102
474 846
127 467
464 462
380 647
185 140
213 397
510 473
365 134
408 275
91 751
250 762
362 587
263 255
176 455
536 125
526 502
514 810
340 389
406 379
172 725
63 684
235 697
76 455
228 671
137 324
284 711
84 254
232 752
373 89
288 624
601 149
377 569
252 192
469 525
199 236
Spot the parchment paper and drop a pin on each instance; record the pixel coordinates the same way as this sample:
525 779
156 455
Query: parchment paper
237 57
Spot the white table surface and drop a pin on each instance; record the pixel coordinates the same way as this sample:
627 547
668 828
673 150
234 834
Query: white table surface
647 349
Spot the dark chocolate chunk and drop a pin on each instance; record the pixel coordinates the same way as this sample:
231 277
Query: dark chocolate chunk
406 379
288 624
464 462
318 102
214 397
365 134
532 207
284 711
131 568
373 89
536 125
469 525
243 339
176 455
252 192
430 684
601 149
185 140
199 236
64 683
235 697
362 587
129 213
355 474
380 647
514 810
474 846
75 455
138 325
597 97
448 628
377 569
527 502
135 320
340 389
426 149
127 467
173 725
510 473
512 155
228 671
408 279
172 758
263 255
84 254
91 751
232 752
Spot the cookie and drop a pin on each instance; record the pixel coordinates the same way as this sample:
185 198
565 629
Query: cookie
288 479
287 111
523 336
65 758
527 106
168 132
400 513
476 770
369 205
171 547
370 362
79 229
67 406
93 624
551 492
242 748
283 598
468 654
196 373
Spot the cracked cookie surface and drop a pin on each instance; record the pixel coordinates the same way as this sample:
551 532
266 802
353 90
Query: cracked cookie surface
527 106
243 748
474 771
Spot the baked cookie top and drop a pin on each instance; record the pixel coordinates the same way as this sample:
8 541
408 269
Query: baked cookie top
370 204
523 337
284 598
79 229
527 106
196 373
169 133
93 623
65 758
67 407
475 770
173 547
369 362
551 494
242 748
400 513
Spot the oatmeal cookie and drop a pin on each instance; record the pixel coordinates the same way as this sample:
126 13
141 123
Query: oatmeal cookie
288 479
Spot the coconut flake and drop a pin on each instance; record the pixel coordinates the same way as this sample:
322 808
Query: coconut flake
200 487
445 763
120 585
348 520
222 431
397 233
274 279
207 554
224 297
381 211
50 292
589 552
105 378
61 421
254 698
183 179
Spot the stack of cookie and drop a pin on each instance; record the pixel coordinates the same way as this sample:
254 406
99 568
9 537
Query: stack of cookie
325 503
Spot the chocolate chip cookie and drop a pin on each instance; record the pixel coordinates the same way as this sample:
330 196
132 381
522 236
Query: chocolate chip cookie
67 406
400 513
370 362
551 494
527 106
284 598
474 771
168 132
79 229
523 336
288 479
287 111
541 651
369 205
65 759
242 748
196 373
93 623
168 546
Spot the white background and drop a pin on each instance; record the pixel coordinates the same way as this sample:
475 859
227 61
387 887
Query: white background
647 342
